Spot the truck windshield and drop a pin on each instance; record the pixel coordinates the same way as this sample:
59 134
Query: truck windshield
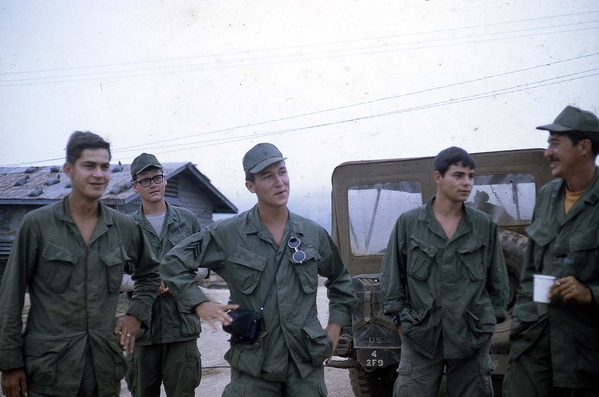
374 209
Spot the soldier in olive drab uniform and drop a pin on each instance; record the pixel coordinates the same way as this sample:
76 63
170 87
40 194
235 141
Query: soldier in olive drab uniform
167 352
445 283
555 346
70 256
287 358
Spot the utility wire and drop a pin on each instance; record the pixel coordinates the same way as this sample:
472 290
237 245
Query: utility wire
275 59
161 142
468 98
222 55
504 91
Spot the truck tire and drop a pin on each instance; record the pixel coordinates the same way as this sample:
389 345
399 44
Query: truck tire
513 246
375 383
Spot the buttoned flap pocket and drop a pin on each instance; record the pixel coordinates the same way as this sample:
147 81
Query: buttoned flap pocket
111 364
318 344
472 254
115 260
421 257
540 233
190 323
308 270
180 236
248 357
584 255
481 322
42 356
246 269
57 268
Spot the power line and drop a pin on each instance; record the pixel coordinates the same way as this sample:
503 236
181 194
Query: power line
127 148
221 55
504 91
269 60
468 98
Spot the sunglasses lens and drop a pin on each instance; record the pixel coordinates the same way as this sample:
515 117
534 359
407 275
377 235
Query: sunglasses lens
294 242
299 256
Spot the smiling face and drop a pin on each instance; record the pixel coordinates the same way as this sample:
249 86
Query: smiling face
456 185
154 193
563 156
89 174
271 185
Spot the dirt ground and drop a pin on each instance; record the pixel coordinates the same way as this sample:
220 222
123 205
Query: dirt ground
214 343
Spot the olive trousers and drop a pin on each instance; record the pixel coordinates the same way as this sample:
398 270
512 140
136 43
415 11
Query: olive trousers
421 376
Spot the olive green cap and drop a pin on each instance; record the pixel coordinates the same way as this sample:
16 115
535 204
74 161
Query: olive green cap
143 161
573 119
261 156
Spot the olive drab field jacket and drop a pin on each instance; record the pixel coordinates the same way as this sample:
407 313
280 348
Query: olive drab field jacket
456 289
563 245
170 322
73 292
242 251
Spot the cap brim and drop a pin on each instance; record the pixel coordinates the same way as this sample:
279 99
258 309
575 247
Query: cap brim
145 167
554 127
263 164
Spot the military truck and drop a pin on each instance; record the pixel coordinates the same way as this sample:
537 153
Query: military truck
367 199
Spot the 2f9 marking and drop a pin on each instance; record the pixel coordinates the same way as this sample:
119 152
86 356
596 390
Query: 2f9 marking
374 362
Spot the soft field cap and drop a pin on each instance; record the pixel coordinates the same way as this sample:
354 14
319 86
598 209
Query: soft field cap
143 161
261 156
573 119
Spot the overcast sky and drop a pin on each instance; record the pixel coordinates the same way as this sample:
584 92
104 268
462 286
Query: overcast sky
325 81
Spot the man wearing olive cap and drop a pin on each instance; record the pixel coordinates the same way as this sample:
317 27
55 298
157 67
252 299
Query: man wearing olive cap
555 346
287 358
167 352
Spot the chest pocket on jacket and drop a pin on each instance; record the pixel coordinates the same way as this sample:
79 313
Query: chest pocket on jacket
308 270
114 260
57 268
584 253
246 269
542 235
471 255
422 255
182 235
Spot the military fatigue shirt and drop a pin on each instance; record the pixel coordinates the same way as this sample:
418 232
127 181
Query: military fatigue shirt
73 291
563 245
454 288
170 323
242 251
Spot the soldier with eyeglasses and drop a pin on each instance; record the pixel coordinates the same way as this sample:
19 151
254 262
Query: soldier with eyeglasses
167 351
287 358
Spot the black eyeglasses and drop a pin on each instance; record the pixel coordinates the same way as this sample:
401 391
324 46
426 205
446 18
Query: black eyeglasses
298 256
147 181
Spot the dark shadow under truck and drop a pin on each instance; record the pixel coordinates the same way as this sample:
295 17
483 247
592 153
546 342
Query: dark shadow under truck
369 196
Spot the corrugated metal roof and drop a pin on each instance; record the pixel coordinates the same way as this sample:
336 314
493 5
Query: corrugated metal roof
36 178
118 191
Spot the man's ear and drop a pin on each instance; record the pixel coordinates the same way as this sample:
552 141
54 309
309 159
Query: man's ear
585 146
67 168
437 177
250 186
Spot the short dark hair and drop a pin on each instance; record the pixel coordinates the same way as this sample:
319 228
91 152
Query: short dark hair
81 140
249 177
453 156
577 136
